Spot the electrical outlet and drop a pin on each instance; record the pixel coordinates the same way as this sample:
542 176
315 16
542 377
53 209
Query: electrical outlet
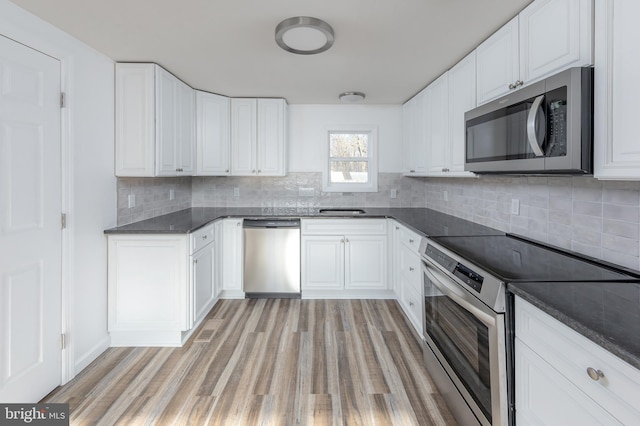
445 195
236 192
306 192
172 194
515 206
393 193
131 200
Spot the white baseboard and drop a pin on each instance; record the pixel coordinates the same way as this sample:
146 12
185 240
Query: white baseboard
231 294
82 362
146 338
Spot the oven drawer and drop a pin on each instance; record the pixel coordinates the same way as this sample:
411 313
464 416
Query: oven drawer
571 354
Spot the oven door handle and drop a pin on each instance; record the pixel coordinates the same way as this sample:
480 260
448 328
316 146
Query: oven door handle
440 281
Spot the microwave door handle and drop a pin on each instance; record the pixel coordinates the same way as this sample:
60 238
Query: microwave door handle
531 127
440 281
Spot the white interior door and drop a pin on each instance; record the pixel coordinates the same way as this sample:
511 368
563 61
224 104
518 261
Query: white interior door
30 234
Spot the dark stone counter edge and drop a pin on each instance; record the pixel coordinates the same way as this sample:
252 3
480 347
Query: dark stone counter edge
597 338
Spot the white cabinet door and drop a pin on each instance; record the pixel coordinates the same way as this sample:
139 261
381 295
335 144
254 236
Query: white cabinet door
202 284
186 124
545 397
232 258
212 134
413 139
270 150
322 260
243 137
366 262
617 88
166 123
135 120
554 35
462 98
437 132
498 63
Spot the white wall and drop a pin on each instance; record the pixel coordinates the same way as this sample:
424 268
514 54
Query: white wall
89 185
308 123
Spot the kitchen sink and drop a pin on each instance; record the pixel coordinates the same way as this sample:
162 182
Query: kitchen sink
342 212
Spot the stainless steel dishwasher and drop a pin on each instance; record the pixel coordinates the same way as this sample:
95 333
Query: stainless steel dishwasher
272 258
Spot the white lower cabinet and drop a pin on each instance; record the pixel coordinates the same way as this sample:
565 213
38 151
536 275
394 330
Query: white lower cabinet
407 274
232 255
349 265
553 383
158 292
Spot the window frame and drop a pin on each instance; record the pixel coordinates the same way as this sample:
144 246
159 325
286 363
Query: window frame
371 159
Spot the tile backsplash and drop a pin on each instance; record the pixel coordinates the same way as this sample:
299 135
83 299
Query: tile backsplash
597 218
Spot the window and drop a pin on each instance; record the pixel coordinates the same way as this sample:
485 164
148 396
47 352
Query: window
351 165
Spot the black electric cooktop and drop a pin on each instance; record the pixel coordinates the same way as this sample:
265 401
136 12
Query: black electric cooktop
512 259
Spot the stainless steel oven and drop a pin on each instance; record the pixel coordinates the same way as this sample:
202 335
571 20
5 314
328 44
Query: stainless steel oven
464 334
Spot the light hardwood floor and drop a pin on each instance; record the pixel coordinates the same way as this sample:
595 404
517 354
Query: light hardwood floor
268 362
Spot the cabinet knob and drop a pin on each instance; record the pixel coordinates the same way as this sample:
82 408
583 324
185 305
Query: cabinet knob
595 374
411 304
512 86
519 83
253 171
411 269
410 241
259 171
195 261
239 223
342 240
397 228
226 171
204 237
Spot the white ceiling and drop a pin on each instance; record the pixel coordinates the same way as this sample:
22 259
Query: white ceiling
388 49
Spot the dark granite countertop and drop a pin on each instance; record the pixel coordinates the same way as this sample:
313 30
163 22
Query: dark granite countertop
607 313
424 221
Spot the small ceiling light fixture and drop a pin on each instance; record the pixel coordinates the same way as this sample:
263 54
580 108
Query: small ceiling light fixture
351 97
304 35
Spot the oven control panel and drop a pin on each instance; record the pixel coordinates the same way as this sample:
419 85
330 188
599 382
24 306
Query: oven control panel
467 275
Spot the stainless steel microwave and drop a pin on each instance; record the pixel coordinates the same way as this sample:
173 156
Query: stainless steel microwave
544 128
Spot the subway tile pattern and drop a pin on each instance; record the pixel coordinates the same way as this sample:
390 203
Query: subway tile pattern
283 192
596 218
152 197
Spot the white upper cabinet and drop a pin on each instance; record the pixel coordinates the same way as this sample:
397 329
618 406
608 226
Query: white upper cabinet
498 63
155 122
462 98
554 35
413 137
212 134
616 142
437 130
258 137
545 38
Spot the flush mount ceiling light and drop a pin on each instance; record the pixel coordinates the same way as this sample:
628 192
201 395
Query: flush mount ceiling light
304 35
351 97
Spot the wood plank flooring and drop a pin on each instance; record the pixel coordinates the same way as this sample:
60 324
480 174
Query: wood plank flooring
268 362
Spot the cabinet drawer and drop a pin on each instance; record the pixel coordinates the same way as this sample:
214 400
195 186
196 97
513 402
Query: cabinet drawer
412 304
410 268
344 227
202 237
409 238
571 354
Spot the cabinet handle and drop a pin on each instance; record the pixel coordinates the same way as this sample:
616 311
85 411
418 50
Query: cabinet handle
412 171
411 269
595 374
